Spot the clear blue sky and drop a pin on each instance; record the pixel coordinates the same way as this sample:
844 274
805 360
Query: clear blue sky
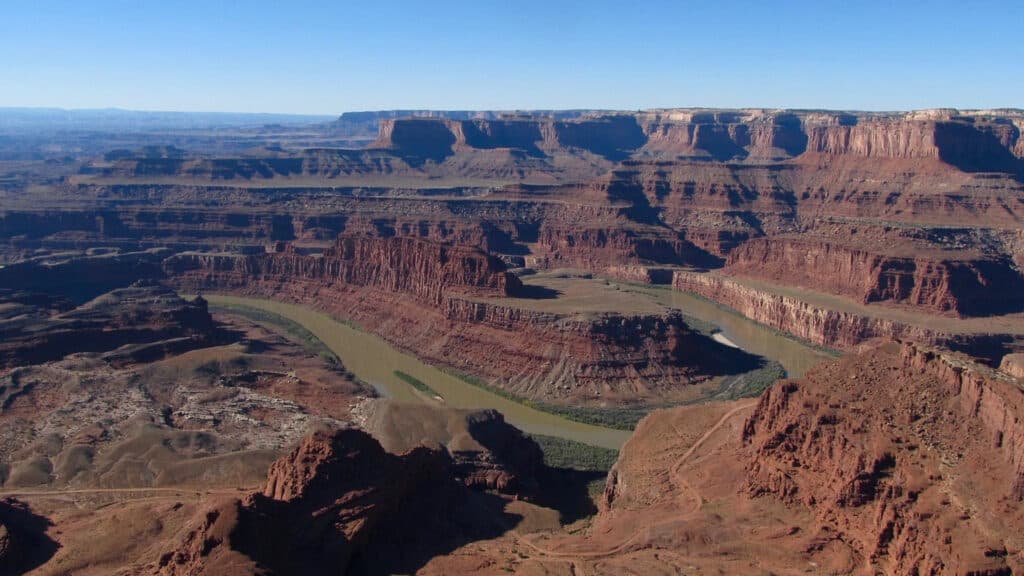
330 57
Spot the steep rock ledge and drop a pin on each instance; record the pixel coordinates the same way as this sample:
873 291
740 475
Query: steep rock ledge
445 305
963 287
910 455
829 327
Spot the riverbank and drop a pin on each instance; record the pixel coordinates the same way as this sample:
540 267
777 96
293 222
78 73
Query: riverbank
375 362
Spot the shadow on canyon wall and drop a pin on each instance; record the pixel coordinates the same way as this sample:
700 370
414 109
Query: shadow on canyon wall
27 545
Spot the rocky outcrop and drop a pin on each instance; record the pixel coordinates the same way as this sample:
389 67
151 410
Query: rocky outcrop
898 460
24 544
830 326
338 504
449 305
1013 364
872 445
144 322
487 452
423 269
964 287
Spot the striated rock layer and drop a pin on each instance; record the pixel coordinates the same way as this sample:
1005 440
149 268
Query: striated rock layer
833 327
900 460
447 305
914 457
963 287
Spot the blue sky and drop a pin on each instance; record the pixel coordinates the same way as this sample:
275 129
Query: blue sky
330 57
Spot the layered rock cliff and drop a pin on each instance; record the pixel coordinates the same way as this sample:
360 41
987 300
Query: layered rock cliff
449 305
423 269
833 326
976 140
898 460
913 456
964 287
681 187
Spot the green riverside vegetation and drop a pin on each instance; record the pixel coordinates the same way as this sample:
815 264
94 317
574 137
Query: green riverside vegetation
416 383
562 453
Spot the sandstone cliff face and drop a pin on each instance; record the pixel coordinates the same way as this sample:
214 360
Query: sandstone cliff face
879 139
961 287
725 135
592 248
970 144
426 270
903 451
720 135
826 326
457 317
610 136
1013 364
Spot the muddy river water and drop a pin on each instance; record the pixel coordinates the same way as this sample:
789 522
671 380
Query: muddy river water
796 357
375 361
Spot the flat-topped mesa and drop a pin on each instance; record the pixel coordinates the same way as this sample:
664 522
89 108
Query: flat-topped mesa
970 140
945 283
726 135
972 145
609 135
894 451
425 269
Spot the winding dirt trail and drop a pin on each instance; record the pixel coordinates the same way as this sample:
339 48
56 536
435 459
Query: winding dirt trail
687 492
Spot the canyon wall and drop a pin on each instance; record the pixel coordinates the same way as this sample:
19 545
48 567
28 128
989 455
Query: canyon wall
834 328
822 200
881 447
449 305
970 140
964 287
